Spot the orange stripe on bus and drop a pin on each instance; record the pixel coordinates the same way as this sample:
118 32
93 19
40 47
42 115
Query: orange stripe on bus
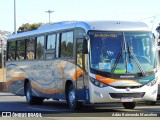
105 80
15 79
109 80
52 91
77 74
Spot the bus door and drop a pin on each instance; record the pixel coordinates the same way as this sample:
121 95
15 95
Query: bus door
50 70
80 70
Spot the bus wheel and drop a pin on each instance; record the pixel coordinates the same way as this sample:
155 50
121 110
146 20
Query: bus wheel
72 102
129 105
29 98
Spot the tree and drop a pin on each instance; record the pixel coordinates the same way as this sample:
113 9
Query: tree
28 27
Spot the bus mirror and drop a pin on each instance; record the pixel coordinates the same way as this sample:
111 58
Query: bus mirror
85 46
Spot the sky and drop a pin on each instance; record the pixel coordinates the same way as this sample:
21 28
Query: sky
33 11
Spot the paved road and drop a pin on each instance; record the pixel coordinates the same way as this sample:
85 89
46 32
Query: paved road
17 105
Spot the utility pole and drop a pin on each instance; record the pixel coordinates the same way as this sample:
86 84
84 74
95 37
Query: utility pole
2 59
49 12
15 31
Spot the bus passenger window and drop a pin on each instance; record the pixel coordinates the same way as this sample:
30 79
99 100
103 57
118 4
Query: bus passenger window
40 48
30 50
57 46
67 44
51 41
11 50
20 53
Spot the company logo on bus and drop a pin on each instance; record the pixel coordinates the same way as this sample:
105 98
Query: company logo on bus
128 89
127 76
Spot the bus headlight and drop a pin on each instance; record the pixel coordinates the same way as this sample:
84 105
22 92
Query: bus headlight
151 83
97 83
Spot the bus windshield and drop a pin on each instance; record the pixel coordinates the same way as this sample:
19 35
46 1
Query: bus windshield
122 52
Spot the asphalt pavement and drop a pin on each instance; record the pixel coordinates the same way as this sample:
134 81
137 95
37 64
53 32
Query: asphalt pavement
16 107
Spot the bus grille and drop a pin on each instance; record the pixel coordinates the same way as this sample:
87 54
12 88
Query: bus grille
121 95
124 87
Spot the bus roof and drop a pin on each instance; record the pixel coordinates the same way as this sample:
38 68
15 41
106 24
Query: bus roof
88 25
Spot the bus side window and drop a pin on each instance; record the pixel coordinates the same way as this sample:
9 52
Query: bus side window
67 44
51 42
11 50
50 46
30 50
20 53
57 46
79 52
79 33
40 47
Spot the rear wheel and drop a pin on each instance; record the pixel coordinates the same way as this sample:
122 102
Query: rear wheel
31 100
129 105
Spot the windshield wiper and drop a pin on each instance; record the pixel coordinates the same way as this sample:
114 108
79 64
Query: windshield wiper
123 50
118 58
116 62
130 51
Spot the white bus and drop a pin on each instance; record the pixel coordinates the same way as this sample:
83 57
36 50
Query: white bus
84 62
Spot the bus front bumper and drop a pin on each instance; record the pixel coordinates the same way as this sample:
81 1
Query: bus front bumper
111 94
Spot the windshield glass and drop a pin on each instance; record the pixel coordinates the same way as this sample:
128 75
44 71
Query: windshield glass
122 52
141 48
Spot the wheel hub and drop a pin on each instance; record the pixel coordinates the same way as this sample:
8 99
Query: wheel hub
72 97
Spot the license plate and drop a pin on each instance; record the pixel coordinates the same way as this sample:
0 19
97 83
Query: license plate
127 99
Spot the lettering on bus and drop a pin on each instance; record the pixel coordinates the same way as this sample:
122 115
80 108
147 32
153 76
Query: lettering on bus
41 71
106 35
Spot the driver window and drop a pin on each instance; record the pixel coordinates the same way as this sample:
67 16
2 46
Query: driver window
79 52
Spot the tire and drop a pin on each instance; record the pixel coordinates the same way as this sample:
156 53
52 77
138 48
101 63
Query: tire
129 105
72 101
31 100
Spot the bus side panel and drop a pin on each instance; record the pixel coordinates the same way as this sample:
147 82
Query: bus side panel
15 79
47 78
17 72
61 71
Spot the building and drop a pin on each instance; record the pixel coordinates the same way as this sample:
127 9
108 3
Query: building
3 36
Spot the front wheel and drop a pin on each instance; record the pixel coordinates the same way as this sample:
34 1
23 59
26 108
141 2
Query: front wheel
72 101
129 105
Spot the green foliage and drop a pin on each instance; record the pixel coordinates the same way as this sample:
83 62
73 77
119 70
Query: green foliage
66 49
28 27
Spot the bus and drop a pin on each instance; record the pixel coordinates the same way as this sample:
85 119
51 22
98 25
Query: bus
157 37
88 62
